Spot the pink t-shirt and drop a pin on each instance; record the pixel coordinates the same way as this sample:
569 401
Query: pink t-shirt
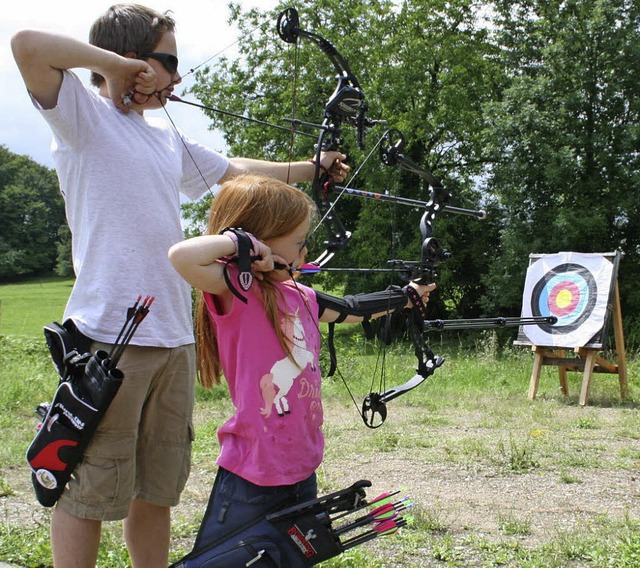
275 436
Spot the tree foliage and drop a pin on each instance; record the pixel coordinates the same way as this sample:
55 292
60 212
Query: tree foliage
526 108
567 132
31 214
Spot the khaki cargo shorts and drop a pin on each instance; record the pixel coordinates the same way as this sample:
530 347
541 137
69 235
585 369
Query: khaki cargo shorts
142 447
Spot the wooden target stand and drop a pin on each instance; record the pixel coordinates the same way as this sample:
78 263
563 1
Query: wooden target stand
584 359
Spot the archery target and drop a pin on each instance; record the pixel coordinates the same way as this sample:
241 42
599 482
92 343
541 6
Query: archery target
574 288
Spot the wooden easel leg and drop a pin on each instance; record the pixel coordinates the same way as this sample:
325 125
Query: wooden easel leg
618 334
562 375
589 363
535 373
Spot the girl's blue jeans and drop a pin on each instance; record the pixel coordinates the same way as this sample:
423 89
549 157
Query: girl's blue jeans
234 502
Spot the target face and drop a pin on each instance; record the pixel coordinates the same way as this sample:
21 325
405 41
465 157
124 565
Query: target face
575 292
569 292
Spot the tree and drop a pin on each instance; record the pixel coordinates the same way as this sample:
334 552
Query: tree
64 264
31 214
567 131
427 69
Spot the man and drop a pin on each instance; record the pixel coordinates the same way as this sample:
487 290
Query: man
121 174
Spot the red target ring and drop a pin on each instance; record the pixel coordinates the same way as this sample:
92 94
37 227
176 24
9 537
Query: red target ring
567 291
564 298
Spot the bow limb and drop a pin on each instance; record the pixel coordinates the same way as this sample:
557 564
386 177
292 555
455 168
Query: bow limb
374 411
345 105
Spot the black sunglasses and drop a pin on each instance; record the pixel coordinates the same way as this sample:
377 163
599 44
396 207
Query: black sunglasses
168 60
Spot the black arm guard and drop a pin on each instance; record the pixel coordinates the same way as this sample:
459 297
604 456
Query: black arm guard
243 258
391 299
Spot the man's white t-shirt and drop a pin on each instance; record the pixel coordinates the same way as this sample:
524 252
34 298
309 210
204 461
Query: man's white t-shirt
121 176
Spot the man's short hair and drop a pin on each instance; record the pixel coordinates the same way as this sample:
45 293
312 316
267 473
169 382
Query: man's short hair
129 28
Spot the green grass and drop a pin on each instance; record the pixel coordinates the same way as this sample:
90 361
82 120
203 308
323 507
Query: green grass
473 416
26 307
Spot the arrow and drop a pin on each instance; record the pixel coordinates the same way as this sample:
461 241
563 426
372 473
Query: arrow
383 529
379 515
135 315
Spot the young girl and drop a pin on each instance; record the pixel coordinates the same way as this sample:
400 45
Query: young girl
264 337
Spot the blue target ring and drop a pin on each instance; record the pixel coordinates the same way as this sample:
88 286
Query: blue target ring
569 292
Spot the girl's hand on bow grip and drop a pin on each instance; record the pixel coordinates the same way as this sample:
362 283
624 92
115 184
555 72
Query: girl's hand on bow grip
424 290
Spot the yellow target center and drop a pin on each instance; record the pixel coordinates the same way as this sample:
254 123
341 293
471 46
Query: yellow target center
563 299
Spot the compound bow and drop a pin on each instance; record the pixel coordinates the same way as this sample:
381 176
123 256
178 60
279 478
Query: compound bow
347 105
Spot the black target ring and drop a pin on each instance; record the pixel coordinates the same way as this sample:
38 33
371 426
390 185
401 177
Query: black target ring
574 277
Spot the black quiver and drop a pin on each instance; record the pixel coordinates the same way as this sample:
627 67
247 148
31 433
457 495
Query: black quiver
87 385
298 536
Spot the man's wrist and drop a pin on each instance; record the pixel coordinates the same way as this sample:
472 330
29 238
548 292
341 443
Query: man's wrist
319 164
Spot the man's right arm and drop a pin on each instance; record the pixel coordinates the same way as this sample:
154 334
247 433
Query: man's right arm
42 78
42 56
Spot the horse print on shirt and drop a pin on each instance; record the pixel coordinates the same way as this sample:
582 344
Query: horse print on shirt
275 385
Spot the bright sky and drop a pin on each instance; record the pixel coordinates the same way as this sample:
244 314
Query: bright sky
202 31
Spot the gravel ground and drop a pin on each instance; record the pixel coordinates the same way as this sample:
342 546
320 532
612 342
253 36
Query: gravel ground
466 498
